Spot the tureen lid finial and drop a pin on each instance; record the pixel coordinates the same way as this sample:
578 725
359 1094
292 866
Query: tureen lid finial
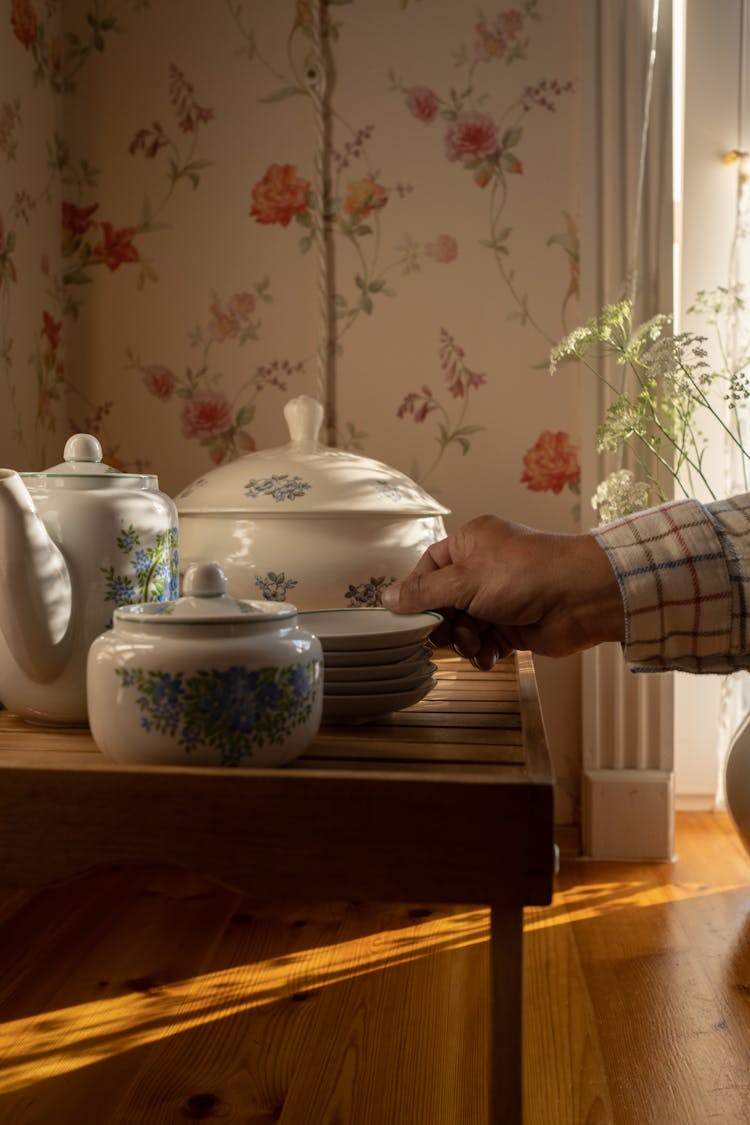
304 417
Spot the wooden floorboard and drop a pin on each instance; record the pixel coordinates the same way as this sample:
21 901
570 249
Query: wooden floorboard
138 995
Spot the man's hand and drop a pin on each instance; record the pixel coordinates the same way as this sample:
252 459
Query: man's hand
502 586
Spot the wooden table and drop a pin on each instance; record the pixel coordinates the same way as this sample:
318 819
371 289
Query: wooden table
450 801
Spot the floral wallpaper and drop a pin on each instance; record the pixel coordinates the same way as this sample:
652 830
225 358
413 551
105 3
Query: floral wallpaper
176 176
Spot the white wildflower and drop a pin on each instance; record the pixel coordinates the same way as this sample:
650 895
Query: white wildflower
619 494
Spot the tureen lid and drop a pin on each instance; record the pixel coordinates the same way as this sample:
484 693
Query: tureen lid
205 602
306 478
82 465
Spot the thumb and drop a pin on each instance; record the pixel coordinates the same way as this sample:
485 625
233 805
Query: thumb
418 592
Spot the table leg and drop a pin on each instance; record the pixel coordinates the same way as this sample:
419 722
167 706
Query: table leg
506 1024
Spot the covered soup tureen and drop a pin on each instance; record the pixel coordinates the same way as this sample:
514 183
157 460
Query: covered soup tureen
305 523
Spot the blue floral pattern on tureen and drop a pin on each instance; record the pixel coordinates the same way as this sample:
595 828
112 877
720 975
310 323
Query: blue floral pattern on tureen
281 486
234 711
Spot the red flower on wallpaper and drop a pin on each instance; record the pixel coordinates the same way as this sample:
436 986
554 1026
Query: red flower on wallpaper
160 381
472 136
52 330
77 220
24 22
364 196
189 113
423 103
206 414
116 246
551 463
279 196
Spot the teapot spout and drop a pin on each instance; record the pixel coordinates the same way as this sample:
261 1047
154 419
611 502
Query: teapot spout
35 587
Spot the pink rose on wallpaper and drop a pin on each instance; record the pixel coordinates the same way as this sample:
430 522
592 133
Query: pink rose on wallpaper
226 323
24 22
423 103
116 246
160 381
206 414
364 196
77 220
551 463
280 195
443 249
472 136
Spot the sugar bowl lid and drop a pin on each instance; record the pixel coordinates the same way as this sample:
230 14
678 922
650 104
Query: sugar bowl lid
305 478
205 602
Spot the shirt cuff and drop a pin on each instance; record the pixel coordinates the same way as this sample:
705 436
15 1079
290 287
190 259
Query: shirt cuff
675 583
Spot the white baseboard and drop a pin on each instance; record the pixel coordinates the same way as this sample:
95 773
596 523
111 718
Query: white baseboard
695 802
628 815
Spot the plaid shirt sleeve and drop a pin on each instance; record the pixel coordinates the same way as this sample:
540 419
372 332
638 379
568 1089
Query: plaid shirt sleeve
684 573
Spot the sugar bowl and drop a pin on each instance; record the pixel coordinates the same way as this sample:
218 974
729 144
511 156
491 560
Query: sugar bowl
205 680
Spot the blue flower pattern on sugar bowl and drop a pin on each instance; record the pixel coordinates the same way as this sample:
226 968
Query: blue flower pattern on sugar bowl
205 680
233 711
280 486
367 593
275 587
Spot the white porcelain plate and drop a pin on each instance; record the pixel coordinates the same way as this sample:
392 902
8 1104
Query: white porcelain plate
357 658
348 672
361 708
347 630
417 678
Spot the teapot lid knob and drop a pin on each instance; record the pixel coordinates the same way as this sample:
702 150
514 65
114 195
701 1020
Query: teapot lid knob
204 580
82 447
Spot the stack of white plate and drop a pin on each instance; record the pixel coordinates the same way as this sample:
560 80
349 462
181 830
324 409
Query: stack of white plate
374 661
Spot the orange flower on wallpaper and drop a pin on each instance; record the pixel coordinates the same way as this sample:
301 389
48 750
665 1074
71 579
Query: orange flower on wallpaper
116 246
280 195
364 196
24 22
551 463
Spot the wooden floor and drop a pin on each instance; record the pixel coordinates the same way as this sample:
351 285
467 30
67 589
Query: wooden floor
142 995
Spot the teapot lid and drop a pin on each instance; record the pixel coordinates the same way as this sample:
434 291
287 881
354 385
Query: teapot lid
205 602
306 478
82 466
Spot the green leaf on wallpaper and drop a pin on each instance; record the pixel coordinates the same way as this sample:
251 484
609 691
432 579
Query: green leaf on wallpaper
377 285
305 243
76 277
366 304
283 93
511 137
245 414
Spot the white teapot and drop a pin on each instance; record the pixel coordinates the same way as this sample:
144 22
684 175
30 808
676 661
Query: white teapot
76 541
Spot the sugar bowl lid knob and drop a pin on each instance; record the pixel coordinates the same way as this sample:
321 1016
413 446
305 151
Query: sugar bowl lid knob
204 580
